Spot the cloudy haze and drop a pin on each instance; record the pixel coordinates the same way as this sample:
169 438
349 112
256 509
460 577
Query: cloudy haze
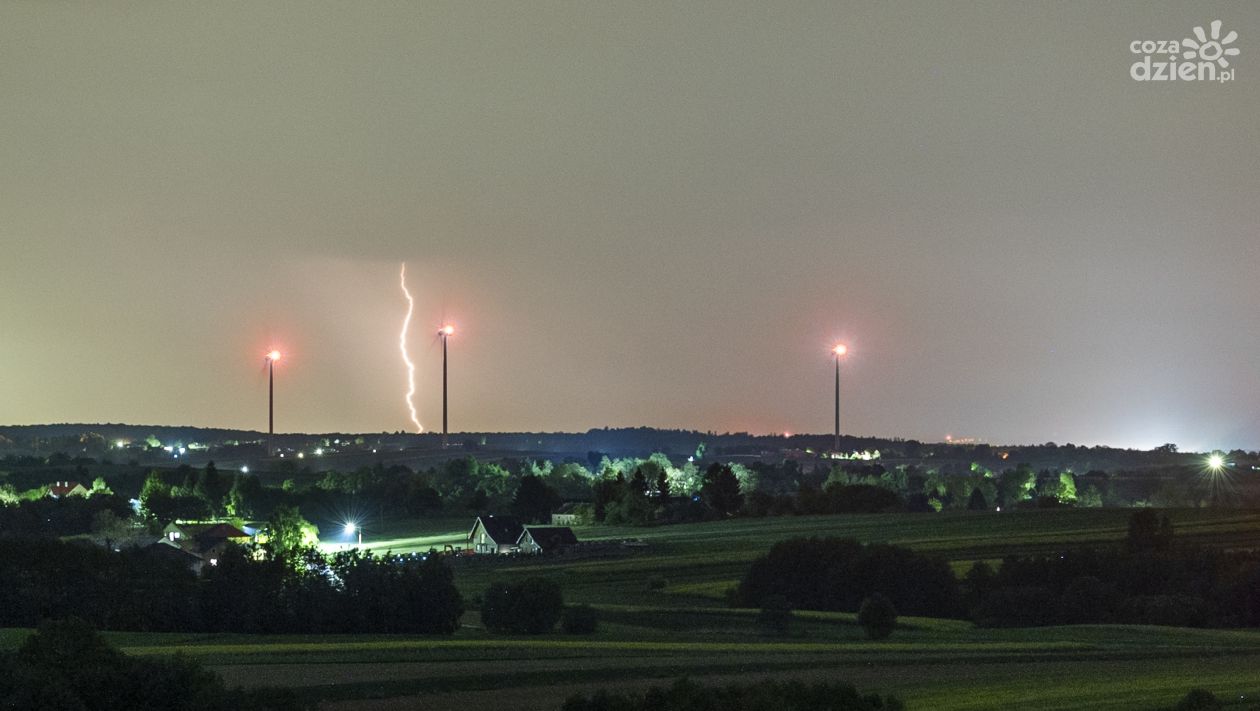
636 214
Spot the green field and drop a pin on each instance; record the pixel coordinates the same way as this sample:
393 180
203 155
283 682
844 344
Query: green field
662 617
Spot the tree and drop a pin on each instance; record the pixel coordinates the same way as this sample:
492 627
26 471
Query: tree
662 486
877 616
245 497
534 500
1149 531
155 498
720 490
977 502
1067 488
1198 700
638 482
66 665
211 488
580 619
99 487
775 615
111 530
532 606
479 501
288 533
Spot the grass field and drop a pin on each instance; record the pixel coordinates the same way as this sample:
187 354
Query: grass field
651 634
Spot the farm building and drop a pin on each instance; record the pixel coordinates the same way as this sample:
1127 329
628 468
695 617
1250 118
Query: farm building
546 539
61 489
495 534
566 515
207 541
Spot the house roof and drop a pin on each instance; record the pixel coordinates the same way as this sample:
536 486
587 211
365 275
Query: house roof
548 537
61 488
207 530
222 530
503 530
170 551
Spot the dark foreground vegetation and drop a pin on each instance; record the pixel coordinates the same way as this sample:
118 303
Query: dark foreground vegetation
685 695
66 666
142 590
1148 579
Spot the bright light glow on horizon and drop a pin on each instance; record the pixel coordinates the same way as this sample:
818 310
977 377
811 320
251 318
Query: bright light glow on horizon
402 346
1216 462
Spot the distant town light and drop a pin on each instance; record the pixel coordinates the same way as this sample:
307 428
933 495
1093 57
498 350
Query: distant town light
244 470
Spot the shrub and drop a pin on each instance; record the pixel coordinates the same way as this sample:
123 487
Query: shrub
1198 700
776 614
686 695
67 665
838 573
532 606
580 619
1024 606
877 616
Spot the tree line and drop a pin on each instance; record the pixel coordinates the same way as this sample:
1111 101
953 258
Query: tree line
1148 579
152 590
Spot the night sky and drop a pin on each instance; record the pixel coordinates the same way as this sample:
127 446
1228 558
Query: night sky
657 214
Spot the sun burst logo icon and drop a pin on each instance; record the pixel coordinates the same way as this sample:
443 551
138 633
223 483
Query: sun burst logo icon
1211 50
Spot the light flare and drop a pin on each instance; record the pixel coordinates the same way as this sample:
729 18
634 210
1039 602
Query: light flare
402 347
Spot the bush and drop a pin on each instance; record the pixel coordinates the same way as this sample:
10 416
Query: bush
67 665
1025 606
532 606
776 614
838 573
1198 700
579 619
686 695
877 616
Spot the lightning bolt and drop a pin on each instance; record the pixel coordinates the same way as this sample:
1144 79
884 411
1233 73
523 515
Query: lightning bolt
402 347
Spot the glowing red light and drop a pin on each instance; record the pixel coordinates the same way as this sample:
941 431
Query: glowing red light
840 350
447 330
273 356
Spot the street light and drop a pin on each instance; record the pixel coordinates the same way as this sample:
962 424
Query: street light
352 529
839 352
1216 462
445 332
272 357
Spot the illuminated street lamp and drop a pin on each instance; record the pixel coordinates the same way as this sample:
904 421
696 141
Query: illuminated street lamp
352 529
272 357
1216 461
839 352
445 332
